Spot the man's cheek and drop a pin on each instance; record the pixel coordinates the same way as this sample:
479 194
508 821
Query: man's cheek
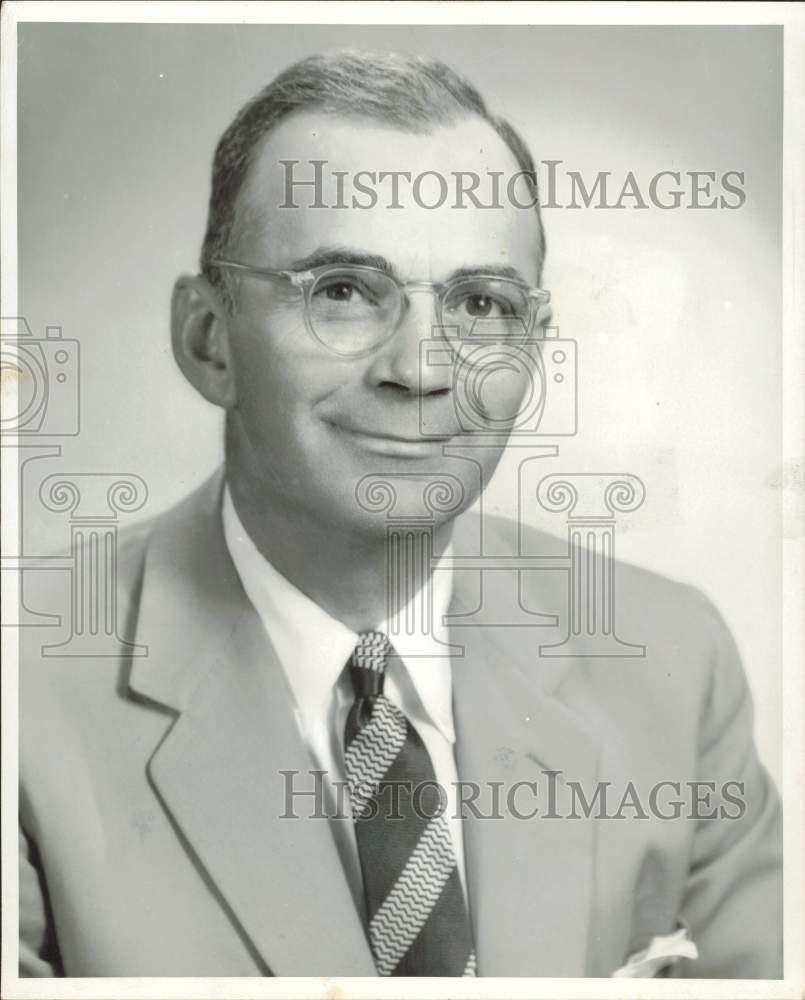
496 386
510 393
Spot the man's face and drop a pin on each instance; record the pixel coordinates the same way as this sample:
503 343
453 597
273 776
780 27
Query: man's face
310 425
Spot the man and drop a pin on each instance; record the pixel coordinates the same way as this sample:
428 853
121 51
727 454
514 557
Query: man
292 783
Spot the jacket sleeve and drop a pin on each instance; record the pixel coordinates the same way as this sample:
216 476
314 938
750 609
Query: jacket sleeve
38 949
733 899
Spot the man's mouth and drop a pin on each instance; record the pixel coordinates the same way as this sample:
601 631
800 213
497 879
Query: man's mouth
393 443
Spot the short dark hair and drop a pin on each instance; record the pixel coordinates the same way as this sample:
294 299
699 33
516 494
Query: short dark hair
412 93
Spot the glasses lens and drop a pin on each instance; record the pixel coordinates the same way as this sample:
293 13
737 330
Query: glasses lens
352 310
488 308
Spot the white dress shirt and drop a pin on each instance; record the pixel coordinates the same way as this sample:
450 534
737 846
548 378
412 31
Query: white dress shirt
314 648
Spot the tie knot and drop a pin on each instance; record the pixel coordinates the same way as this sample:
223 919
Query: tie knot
368 664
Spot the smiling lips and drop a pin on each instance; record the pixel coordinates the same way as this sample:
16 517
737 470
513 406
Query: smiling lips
396 445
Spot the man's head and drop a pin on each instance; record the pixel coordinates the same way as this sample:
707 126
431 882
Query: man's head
409 93
306 424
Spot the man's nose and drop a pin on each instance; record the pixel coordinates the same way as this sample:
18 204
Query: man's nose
405 362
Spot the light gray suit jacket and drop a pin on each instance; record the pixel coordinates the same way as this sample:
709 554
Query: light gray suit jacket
151 837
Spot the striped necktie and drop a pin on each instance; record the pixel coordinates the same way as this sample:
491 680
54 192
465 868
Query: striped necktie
418 921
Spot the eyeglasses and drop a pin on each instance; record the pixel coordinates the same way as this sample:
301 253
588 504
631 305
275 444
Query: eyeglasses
353 309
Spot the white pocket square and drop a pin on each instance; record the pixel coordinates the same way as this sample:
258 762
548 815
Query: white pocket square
664 950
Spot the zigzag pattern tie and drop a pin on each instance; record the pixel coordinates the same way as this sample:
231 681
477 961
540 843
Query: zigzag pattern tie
418 921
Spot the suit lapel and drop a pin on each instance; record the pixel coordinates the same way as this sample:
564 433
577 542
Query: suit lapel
218 770
530 880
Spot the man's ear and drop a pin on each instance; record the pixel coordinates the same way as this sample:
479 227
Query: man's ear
200 338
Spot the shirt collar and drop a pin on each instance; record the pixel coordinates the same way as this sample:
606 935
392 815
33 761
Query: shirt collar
313 647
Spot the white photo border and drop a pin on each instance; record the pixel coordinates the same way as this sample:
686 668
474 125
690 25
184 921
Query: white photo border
792 18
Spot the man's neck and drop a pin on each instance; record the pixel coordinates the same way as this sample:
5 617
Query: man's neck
342 569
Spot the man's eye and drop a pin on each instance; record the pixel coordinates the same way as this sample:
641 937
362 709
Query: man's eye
340 291
483 306
479 305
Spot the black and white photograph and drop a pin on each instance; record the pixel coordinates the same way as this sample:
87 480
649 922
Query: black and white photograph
402 499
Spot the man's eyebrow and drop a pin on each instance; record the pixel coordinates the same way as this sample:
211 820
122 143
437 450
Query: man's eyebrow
341 255
494 270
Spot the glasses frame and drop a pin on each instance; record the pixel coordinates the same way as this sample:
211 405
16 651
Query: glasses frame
305 281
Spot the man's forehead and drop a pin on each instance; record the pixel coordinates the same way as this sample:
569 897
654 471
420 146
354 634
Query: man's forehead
349 142
321 179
